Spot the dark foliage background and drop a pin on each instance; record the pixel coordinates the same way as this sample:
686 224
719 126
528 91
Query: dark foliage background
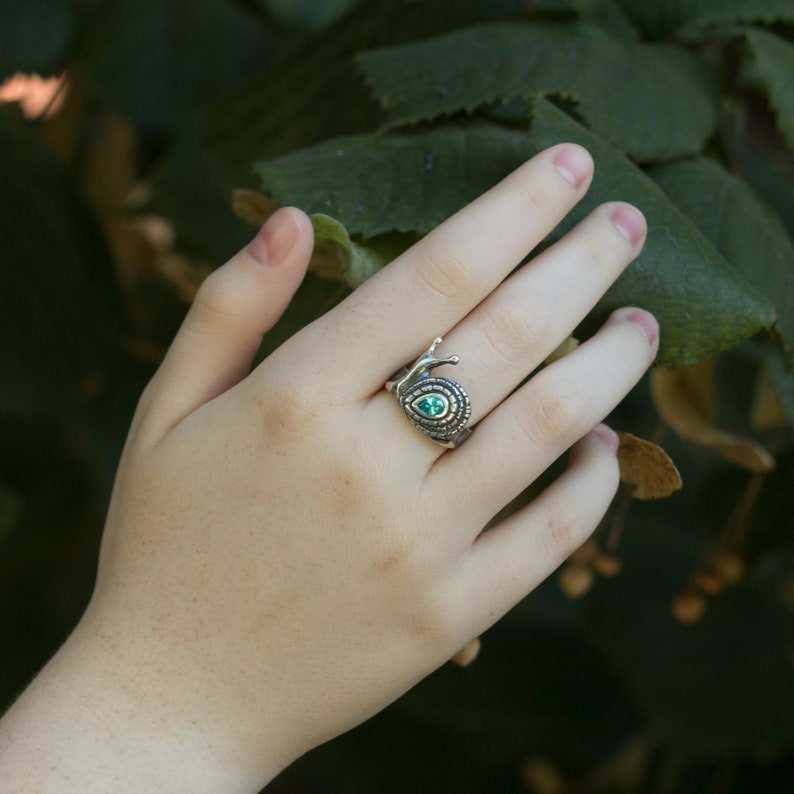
660 658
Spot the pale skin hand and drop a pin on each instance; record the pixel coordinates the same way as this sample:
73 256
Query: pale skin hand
284 554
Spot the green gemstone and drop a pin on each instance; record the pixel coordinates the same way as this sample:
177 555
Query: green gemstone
431 406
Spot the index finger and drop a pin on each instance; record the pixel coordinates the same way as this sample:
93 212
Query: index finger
427 290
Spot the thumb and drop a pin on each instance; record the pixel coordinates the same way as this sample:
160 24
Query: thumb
233 309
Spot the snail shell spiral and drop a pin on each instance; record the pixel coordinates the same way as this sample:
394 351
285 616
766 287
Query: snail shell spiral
437 406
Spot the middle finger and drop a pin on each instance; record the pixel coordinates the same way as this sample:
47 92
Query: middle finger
533 312
427 290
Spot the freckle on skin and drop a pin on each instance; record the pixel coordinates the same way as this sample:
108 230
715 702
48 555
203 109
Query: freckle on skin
387 564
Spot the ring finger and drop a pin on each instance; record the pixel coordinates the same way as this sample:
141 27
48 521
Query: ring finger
520 324
521 438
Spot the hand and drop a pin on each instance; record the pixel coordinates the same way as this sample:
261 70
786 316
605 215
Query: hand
285 554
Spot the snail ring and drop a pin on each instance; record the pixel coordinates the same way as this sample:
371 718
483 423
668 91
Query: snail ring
439 407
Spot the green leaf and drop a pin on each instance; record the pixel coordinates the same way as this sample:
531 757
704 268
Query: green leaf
59 316
742 228
191 194
35 36
774 58
654 102
155 60
720 686
408 183
342 258
315 93
702 303
657 18
308 14
782 380
654 17
771 175
726 11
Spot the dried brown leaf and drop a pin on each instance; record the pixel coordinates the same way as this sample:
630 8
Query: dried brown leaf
111 165
685 396
252 206
158 231
133 253
647 468
185 274
685 399
143 249
767 411
746 453
542 776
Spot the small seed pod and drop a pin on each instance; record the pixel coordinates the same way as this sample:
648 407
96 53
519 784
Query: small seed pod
729 566
707 581
575 580
689 606
607 563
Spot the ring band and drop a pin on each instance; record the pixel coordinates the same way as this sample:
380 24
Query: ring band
439 407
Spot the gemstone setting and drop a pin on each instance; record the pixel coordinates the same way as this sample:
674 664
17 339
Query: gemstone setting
439 407
433 405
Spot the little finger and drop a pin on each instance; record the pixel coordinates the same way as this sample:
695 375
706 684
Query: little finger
513 558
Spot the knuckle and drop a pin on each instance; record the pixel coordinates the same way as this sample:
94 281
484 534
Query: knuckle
216 303
446 276
427 613
560 537
290 411
542 204
603 248
598 254
355 489
552 419
509 329
432 623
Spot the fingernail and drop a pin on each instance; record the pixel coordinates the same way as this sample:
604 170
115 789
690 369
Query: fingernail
274 240
629 221
608 436
574 164
645 321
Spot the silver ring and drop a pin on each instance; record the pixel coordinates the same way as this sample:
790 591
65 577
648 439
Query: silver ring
439 407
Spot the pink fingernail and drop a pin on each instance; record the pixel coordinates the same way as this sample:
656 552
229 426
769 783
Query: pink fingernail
608 436
574 164
645 321
630 222
274 240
